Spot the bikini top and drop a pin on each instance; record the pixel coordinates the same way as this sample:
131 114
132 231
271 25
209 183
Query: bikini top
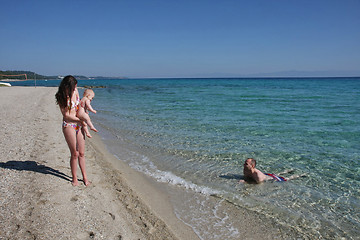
72 104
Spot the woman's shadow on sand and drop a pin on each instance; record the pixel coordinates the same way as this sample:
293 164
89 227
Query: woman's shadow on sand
34 167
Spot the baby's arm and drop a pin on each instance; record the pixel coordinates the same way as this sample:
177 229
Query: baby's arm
89 107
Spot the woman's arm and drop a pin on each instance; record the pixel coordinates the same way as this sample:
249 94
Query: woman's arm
77 93
68 117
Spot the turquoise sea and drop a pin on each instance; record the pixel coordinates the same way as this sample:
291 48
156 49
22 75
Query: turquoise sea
195 134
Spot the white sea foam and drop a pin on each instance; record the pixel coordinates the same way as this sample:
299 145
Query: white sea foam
146 166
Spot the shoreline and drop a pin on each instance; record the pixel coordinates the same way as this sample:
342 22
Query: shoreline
36 195
38 201
148 197
210 216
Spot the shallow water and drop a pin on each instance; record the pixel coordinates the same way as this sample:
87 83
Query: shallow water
196 134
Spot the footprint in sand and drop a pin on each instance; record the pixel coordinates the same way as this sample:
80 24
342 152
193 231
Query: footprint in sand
74 198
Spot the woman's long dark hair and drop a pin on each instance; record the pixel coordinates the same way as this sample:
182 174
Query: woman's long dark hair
65 91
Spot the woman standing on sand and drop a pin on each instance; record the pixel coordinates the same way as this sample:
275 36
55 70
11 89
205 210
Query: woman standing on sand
67 97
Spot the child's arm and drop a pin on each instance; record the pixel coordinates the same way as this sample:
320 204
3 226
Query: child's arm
89 107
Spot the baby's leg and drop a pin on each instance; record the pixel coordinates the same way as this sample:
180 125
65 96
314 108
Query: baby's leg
85 117
86 130
90 124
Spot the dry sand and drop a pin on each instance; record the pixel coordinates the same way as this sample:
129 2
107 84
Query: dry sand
37 200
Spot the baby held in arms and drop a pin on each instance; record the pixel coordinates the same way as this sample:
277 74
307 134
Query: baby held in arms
83 113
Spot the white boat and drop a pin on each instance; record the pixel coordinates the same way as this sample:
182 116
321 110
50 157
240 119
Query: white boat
5 84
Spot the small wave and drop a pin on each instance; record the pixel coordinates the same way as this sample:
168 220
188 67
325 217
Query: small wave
147 167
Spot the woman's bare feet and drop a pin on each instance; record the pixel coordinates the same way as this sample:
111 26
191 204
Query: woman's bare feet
86 182
75 183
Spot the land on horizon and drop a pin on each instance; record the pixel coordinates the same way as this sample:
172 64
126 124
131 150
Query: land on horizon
6 75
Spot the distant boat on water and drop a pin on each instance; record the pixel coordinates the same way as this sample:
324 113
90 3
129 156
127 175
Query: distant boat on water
4 84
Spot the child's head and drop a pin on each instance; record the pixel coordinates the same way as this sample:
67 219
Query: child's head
89 93
250 163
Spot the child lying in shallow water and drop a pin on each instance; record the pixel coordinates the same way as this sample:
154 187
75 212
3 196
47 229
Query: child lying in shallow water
254 175
83 114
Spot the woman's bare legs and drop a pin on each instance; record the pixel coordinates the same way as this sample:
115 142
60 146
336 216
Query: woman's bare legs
76 143
81 150
70 137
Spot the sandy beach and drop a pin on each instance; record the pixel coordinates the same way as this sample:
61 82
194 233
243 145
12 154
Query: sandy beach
37 200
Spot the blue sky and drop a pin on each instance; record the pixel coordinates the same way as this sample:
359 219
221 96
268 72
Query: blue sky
195 38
